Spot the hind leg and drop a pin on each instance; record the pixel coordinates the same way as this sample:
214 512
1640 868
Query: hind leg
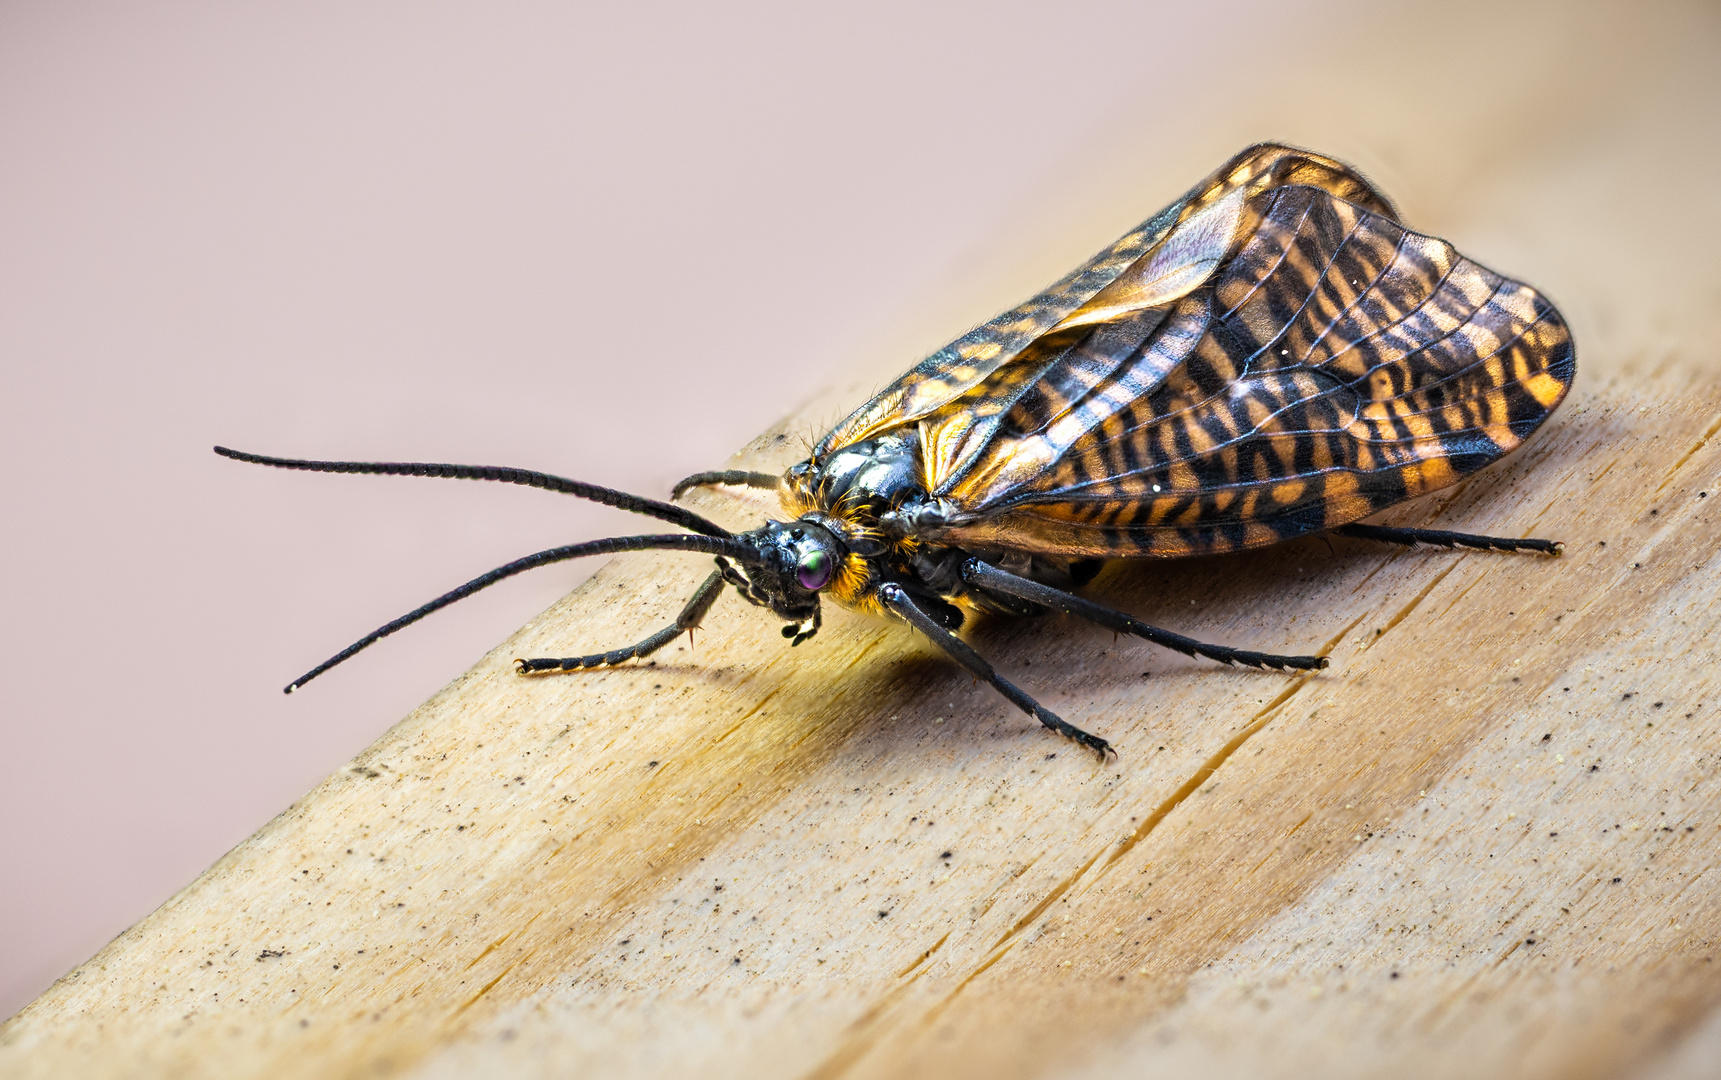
989 579
1410 537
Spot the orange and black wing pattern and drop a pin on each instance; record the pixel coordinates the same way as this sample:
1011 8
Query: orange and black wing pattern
1281 358
1149 266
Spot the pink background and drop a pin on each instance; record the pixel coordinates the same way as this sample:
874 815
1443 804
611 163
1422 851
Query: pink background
614 245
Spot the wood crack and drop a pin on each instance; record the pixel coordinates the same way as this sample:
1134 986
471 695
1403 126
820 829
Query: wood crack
1702 441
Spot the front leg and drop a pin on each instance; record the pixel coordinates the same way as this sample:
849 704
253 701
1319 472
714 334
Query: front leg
897 600
685 623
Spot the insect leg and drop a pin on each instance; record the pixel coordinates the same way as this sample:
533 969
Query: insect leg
989 578
1389 535
730 476
897 600
796 635
689 619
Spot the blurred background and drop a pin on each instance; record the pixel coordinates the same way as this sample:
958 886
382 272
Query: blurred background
616 242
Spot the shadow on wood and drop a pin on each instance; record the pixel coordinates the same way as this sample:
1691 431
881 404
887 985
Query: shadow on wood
1487 825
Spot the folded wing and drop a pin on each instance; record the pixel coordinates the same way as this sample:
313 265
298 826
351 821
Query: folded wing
1167 257
1327 363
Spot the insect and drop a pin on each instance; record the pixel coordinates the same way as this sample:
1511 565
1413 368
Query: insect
1272 355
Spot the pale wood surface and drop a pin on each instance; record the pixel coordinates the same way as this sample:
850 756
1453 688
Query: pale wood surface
733 864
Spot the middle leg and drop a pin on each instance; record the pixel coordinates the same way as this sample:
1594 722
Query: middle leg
897 600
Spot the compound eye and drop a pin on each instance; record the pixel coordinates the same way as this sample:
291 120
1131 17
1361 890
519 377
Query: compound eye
814 570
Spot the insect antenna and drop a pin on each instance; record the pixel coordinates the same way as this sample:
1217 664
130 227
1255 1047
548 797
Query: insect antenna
621 500
709 545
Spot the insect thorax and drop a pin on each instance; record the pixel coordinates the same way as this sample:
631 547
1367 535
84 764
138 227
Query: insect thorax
872 494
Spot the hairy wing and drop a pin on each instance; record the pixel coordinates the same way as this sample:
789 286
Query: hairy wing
1166 257
1336 364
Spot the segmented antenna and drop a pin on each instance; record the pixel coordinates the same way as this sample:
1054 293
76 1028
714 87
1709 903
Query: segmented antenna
621 500
709 545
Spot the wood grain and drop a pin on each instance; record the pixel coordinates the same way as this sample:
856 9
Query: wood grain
1482 843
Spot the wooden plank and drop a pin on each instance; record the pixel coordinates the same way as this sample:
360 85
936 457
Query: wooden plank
1482 842
734 863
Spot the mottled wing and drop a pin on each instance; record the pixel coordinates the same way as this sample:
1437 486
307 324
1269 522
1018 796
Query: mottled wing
1336 364
1149 268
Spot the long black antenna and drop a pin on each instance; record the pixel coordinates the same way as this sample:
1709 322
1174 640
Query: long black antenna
621 500
710 545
